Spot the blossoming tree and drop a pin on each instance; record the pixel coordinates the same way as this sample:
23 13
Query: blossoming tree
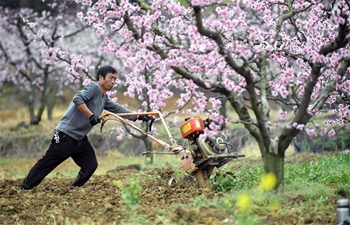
254 53
25 64
290 52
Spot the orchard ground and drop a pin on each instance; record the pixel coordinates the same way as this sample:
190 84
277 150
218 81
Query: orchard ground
100 201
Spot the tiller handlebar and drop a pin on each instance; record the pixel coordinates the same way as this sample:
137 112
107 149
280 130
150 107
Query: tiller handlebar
174 148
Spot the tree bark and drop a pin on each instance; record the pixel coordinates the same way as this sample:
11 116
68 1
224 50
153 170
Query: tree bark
275 164
148 145
223 109
31 105
50 105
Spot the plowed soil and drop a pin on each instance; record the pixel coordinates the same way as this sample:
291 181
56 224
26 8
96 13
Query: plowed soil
99 201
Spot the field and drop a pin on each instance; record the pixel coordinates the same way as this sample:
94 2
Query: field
129 190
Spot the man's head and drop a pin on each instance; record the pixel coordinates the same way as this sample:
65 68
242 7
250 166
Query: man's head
106 77
104 70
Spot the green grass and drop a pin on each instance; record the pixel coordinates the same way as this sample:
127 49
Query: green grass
325 170
247 177
306 185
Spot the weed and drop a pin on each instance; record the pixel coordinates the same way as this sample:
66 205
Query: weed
247 177
10 208
129 193
327 170
43 208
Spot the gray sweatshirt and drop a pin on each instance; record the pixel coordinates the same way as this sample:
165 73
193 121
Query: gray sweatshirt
74 123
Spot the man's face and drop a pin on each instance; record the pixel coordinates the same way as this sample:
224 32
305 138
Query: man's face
108 82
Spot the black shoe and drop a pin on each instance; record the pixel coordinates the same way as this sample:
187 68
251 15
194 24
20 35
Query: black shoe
24 186
21 189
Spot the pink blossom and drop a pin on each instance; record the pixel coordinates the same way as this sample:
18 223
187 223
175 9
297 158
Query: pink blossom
80 15
31 25
71 78
311 132
346 85
300 126
282 114
340 121
331 99
331 133
177 9
175 120
324 131
200 2
215 103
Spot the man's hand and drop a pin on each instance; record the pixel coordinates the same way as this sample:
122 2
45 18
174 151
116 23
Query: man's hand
94 120
144 118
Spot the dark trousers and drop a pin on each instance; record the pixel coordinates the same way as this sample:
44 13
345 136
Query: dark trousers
81 152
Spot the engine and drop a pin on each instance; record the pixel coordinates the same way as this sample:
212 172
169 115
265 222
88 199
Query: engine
202 151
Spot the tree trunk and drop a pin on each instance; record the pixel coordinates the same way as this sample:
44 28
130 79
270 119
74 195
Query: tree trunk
148 145
45 94
31 105
50 106
275 164
41 109
223 109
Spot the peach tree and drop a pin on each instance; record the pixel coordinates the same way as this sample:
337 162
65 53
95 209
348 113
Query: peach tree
27 58
254 54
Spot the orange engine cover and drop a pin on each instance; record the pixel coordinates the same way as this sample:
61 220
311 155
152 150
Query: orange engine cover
192 126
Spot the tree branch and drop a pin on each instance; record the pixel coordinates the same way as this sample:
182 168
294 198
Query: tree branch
286 16
302 116
263 135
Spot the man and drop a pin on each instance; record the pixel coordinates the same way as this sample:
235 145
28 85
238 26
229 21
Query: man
70 135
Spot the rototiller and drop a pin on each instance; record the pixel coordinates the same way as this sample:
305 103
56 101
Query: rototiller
199 157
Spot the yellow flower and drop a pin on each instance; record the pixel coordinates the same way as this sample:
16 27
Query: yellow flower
117 183
268 182
243 203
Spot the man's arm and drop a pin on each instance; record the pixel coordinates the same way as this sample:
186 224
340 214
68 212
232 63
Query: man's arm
85 110
88 92
116 108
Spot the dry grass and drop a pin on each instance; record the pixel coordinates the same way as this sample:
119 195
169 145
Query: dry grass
17 168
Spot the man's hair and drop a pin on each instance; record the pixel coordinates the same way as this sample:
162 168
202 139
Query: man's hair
104 70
